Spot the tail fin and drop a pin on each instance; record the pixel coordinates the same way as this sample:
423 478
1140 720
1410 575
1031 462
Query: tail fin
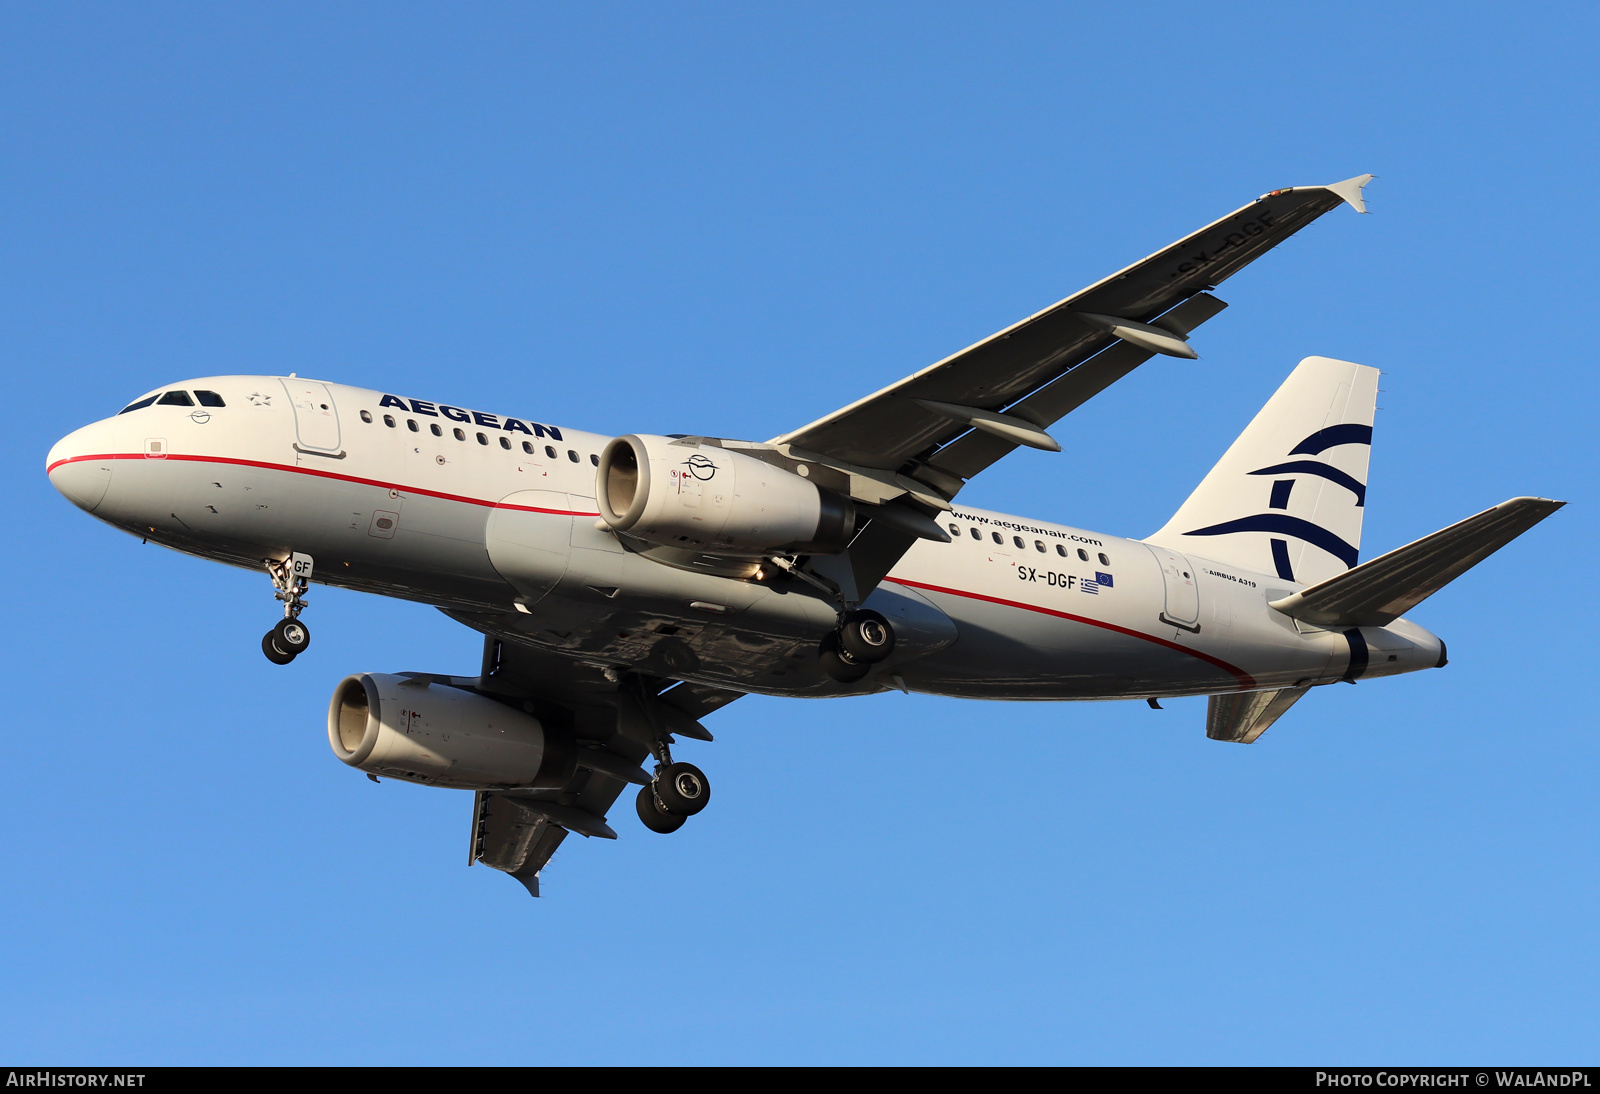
1288 496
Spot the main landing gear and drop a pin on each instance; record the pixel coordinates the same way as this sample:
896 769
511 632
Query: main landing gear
679 791
290 638
862 639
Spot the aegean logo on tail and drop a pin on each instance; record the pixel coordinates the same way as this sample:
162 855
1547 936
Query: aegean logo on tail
1281 523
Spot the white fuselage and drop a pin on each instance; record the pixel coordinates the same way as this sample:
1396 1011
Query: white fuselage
493 520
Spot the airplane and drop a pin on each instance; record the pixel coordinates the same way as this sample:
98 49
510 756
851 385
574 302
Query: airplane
629 586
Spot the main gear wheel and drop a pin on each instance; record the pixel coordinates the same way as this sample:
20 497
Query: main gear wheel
654 817
866 636
682 789
838 663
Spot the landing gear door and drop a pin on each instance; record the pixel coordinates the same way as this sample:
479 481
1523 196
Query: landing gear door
529 539
1182 608
316 419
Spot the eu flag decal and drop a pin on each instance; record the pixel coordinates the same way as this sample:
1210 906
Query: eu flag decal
1103 579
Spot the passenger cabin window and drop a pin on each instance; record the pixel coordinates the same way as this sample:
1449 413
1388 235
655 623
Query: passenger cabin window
975 533
435 430
550 451
571 455
997 538
460 434
1060 550
388 420
527 446
209 398
411 424
482 439
955 529
176 398
366 416
1104 561
505 444
1038 545
1021 546
594 460
140 405
1083 555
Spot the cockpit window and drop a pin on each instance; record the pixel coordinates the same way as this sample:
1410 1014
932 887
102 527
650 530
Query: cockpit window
175 398
209 398
140 405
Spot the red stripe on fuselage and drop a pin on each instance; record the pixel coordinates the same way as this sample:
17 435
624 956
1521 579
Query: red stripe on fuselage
322 475
1246 681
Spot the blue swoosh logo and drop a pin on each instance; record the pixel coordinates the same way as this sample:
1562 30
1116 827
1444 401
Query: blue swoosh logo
1324 439
1312 467
1288 526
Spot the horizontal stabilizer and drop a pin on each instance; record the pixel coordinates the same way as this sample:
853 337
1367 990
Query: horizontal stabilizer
1241 717
1376 593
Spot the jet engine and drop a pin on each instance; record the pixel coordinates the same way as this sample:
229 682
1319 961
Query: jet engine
682 494
440 735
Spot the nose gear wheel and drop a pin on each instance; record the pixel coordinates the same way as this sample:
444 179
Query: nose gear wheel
274 654
290 637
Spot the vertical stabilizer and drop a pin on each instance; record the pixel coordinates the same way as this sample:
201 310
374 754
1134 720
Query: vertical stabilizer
1288 496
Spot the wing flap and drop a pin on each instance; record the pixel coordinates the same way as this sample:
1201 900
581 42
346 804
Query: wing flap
1376 593
512 840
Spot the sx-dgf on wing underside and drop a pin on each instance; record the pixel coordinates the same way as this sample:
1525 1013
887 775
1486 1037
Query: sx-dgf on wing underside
629 586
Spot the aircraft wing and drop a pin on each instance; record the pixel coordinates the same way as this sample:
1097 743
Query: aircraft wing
946 423
517 831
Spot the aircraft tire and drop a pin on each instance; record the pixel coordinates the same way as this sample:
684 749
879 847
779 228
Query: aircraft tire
683 789
270 648
652 816
838 664
291 636
866 636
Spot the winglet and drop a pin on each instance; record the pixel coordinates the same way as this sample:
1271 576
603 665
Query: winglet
1350 191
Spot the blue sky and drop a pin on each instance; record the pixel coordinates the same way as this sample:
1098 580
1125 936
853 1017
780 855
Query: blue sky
731 219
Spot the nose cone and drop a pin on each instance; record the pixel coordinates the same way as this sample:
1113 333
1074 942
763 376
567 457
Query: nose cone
82 475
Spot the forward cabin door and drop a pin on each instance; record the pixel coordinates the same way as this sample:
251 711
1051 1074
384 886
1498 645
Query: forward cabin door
1182 607
316 419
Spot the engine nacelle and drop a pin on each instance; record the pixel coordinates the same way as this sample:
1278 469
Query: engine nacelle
441 736
681 494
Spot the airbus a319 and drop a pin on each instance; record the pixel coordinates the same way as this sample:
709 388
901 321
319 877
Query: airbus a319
627 587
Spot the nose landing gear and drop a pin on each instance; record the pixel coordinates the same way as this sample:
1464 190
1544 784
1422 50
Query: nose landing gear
290 638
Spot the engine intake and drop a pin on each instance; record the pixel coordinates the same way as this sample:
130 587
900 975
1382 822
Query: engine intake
681 494
441 736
